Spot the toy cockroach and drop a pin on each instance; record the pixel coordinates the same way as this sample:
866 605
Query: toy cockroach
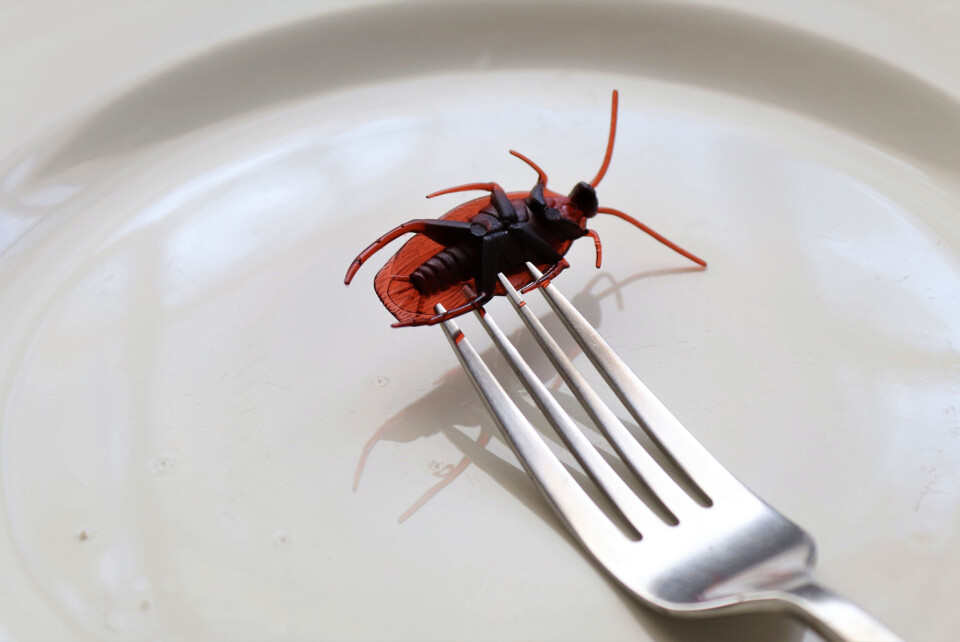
454 260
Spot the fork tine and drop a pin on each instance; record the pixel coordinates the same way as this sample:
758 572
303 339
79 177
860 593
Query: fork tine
664 428
674 498
630 506
580 514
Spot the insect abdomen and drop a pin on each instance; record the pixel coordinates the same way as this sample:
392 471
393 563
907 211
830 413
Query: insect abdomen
445 268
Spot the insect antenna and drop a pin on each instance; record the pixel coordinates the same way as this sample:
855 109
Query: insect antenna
613 134
673 246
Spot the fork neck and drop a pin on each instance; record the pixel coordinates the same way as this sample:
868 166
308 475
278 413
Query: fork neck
834 617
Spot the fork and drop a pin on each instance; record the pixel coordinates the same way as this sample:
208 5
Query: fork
709 550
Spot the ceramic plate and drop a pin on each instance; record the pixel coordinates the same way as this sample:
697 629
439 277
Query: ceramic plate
205 435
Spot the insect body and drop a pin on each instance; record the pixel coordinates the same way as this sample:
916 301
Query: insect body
454 260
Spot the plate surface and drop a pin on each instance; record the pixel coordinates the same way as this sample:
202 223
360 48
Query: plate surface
204 435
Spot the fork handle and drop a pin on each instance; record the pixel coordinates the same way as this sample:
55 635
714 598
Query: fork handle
836 618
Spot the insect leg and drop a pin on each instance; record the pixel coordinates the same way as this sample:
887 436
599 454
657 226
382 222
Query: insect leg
542 177
475 304
441 231
529 238
469 187
596 244
498 198
542 250
554 270
673 246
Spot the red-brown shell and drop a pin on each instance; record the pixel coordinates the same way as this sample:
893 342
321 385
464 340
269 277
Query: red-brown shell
407 305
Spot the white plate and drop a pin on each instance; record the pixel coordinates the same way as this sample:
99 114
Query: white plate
188 390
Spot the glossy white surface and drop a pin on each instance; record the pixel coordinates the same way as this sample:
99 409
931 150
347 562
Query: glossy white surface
187 388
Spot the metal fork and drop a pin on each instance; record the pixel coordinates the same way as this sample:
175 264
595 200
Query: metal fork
729 552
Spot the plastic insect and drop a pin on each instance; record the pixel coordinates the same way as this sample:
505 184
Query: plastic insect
454 260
